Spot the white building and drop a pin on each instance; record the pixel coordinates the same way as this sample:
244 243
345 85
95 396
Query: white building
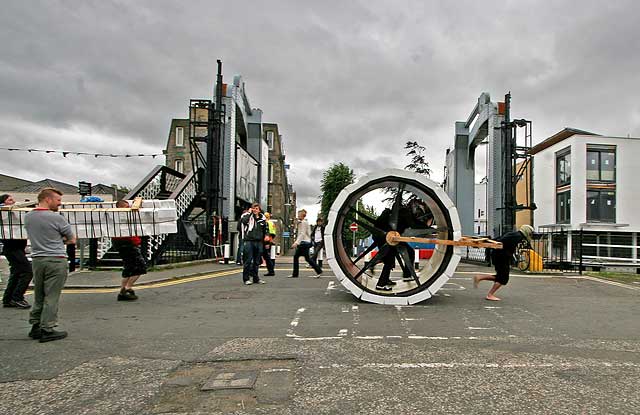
480 208
590 183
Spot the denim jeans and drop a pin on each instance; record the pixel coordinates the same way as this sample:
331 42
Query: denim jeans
252 257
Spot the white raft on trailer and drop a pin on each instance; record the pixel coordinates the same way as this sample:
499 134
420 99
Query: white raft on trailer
101 219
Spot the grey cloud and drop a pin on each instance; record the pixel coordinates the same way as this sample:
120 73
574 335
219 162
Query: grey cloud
346 86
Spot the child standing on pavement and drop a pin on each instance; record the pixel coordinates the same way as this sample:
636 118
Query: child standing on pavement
134 264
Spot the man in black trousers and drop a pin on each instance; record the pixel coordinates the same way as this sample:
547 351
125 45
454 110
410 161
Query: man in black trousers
20 272
255 230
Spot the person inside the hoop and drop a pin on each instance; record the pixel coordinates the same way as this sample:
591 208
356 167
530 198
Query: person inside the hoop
415 215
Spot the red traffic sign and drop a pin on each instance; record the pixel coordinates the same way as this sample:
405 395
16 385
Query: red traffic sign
353 227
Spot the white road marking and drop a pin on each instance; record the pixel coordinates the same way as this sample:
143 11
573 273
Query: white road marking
491 308
403 320
294 323
513 275
345 308
427 338
355 311
343 332
454 365
411 337
303 339
445 288
481 328
331 286
276 370
614 283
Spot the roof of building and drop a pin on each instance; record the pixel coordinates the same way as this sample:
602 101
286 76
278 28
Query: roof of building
103 189
35 187
14 184
8 183
557 137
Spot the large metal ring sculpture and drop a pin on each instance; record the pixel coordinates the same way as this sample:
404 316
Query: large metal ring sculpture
357 274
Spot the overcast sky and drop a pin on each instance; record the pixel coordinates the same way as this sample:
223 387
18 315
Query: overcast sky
346 81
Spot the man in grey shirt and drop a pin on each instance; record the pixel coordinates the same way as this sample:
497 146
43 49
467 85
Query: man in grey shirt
49 232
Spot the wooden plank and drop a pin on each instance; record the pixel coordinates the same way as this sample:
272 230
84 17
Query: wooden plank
137 203
79 210
464 241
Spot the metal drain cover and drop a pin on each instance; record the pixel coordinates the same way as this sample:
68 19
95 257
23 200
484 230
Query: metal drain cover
231 380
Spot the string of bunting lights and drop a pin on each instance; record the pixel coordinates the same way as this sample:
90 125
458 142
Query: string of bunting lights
78 153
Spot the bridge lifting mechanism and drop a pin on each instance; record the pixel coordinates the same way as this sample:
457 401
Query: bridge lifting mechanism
508 164
418 211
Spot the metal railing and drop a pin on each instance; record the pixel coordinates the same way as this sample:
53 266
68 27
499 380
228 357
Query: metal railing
165 183
569 251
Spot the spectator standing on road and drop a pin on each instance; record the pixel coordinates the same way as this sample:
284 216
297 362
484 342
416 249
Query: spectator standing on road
302 245
133 263
502 260
266 253
254 230
20 273
240 240
317 232
49 232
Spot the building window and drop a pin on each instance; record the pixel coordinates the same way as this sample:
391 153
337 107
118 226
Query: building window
179 137
179 166
601 206
563 207
601 165
563 169
270 173
270 139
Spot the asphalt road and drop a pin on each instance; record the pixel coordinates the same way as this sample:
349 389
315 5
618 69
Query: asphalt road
553 345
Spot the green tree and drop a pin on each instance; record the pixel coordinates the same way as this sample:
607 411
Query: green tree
419 163
334 179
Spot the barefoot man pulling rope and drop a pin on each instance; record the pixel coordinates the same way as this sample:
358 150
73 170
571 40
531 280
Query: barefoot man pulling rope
502 258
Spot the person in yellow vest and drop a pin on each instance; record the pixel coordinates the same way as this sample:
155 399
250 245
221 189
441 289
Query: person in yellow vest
266 252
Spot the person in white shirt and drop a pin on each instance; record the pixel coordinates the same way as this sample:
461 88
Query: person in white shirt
302 245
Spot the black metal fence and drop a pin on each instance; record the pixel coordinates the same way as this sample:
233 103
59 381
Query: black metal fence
573 251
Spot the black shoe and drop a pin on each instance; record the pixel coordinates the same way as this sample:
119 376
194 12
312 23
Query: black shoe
22 304
292 276
10 304
35 332
49 335
132 294
270 274
126 296
384 287
391 283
